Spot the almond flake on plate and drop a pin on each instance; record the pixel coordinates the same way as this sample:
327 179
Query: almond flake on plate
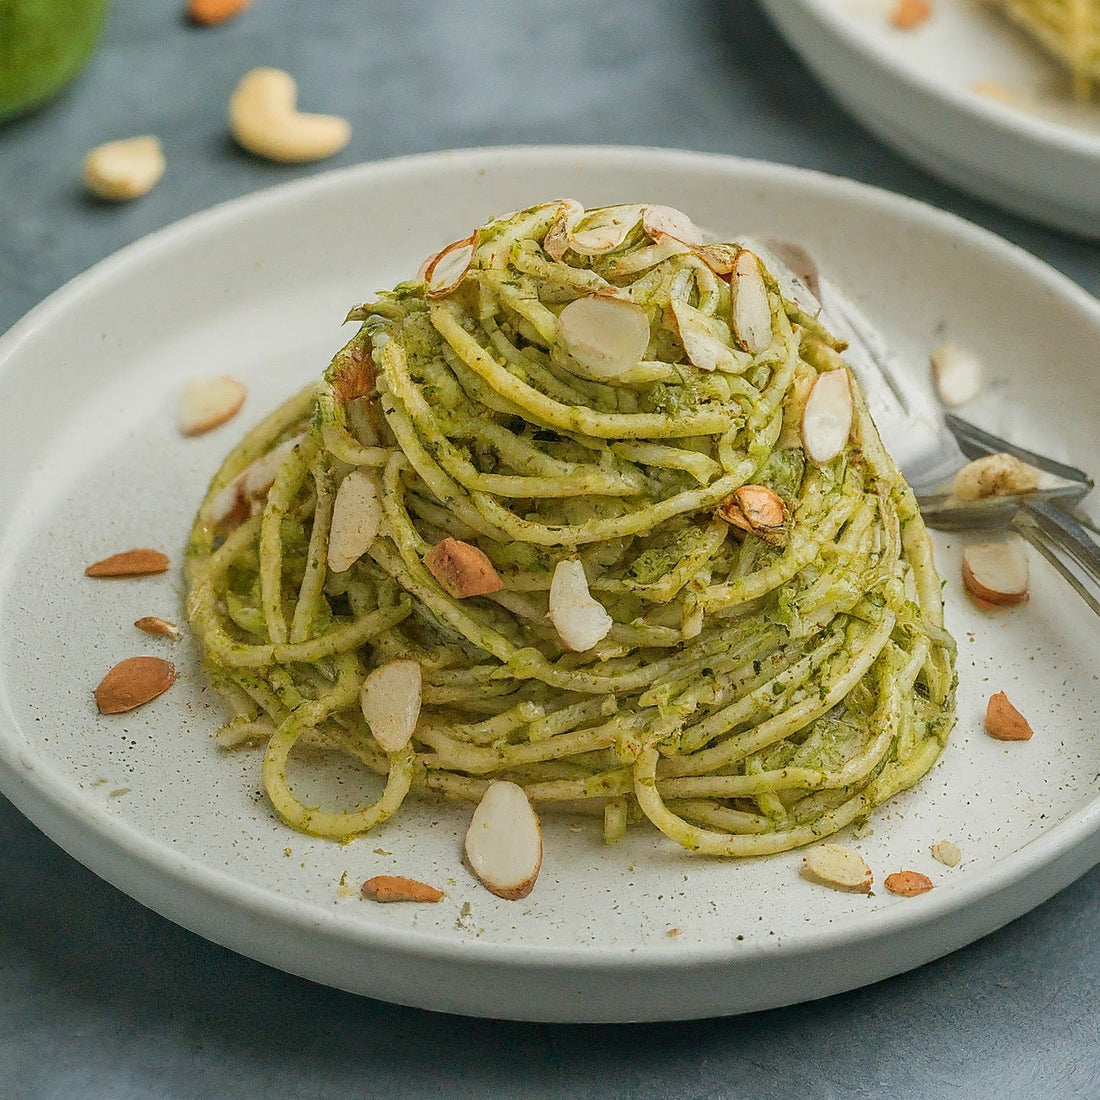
206 403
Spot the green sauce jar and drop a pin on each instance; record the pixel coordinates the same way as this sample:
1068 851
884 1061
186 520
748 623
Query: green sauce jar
43 45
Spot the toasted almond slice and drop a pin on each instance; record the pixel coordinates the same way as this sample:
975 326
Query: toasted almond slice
639 259
356 516
1004 722
398 888
579 618
720 257
235 502
994 475
838 867
462 569
996 572
603 230
447 268
907 883
705 338
153 624
946 852
603 333
556 240
208 402
134 682
138 562
827 416
758 509
504 841
666 221
752 312
957 374
390 700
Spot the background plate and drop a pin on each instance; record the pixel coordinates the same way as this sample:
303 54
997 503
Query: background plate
966 95
641 931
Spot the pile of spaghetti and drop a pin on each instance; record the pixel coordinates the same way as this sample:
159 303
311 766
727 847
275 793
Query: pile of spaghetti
584 508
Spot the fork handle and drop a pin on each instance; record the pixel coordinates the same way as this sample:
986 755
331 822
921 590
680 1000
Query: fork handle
1066 544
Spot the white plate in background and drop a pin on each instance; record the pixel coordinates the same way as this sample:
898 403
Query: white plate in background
258 288
965 94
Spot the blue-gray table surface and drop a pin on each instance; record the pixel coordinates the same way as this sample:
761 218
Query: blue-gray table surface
100 997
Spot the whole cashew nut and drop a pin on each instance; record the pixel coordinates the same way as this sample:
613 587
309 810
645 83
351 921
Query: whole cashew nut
264 119
125 169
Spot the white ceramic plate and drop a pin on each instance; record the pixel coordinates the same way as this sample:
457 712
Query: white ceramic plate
640 931
966 95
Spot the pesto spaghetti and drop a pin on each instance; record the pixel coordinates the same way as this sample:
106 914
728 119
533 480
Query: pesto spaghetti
682 610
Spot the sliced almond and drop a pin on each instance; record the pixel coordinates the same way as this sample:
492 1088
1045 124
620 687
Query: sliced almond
134 682
556 240
1004 722
579 618
996 572
719 257
504 841
387 888
907 883
639 259
447 268
237 500
946 852
705 338
666 221
603 230
994 475
957 374
837 867
129 563
153 624
390 700
758 509
207 403
752 312
356 517
462 569
827 416
603 333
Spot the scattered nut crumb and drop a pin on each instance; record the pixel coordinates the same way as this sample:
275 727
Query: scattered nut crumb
138 562
153 624
134 682
837 867
398 888
946 852
908 14
908 884
1004 722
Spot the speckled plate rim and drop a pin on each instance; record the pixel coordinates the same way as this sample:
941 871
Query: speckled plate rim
201 897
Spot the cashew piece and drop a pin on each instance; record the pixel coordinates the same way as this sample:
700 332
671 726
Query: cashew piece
264 119
125 169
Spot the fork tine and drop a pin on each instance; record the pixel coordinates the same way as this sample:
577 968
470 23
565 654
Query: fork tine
975 442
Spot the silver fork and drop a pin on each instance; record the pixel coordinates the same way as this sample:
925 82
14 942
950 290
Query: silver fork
931 445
